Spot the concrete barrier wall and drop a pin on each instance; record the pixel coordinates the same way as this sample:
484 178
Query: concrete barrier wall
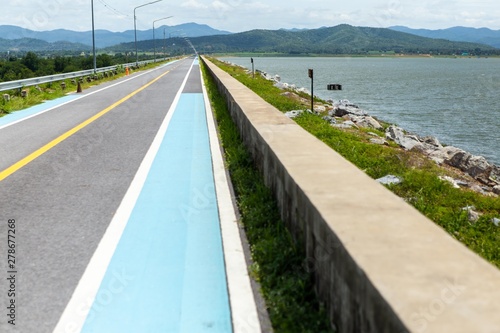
379 265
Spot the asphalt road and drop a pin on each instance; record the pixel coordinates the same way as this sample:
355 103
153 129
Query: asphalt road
63 200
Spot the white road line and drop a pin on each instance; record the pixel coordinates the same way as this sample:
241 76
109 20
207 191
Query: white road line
75 313
243 307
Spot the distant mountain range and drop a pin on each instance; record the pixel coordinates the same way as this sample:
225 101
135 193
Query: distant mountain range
106 38
341 39
459 34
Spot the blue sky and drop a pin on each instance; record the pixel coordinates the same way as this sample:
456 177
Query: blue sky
243 15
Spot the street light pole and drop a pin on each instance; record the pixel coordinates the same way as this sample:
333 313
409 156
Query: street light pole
170 38
135 29
93 37
154 40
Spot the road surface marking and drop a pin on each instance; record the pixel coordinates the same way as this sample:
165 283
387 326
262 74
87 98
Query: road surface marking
22 115
77 310
171 248
15 167
243 307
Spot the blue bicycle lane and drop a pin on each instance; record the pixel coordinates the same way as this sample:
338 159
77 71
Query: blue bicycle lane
167 273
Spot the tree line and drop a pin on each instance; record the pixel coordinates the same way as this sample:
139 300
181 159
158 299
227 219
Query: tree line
32 65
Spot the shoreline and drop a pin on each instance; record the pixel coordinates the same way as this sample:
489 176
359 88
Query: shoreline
380 55
483 176
469 217
414 93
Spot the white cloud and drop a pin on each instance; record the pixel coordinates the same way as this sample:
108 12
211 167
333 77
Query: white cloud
193 4
219 5
241 15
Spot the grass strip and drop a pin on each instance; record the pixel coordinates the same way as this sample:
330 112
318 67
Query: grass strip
278 263
52 90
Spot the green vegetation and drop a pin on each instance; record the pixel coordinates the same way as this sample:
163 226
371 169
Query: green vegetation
32 65
339 40
32 44
422 188
278 261
53 90
328 41
44 92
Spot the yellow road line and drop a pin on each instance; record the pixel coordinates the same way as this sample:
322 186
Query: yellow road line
15 167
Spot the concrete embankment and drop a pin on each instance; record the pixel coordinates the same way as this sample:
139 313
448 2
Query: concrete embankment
379 265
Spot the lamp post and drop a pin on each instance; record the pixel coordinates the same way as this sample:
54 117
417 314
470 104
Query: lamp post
93 37
154 40
169 38
191 45
165 42
135 29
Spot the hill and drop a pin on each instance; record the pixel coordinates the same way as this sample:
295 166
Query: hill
460 34
106 38
37 45
341 39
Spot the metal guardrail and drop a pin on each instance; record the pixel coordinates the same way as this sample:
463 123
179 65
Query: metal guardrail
19 84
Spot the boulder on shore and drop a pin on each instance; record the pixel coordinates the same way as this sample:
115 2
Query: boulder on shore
397 135
378 141
432 141
496 189
443 154
473 165
330 119
344 107
345 125
495 174
390 180
294 113
366 122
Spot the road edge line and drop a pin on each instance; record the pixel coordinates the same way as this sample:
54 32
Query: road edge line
244 313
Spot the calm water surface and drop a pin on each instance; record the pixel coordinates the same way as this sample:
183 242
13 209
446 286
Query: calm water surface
455 100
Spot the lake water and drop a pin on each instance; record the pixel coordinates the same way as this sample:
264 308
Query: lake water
454 99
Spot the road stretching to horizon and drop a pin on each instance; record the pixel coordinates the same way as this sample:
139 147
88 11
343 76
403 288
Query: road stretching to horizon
108 209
